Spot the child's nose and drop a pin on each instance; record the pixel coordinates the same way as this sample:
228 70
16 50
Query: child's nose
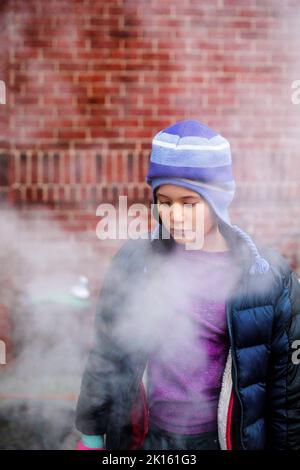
177 213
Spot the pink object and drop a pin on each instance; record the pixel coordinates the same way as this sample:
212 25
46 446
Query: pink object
228 424
81 446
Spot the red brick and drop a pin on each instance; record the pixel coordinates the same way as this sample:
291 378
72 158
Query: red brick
72 134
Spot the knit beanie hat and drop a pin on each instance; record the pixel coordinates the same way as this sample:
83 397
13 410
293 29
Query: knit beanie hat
190 154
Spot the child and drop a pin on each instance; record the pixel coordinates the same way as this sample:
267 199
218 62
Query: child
194 348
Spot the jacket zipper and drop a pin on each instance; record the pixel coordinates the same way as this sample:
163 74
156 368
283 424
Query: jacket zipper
235 372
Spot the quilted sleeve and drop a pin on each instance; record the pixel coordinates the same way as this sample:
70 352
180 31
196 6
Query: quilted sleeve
283 403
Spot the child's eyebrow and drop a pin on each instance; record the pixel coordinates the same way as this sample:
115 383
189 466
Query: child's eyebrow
184 197
190 197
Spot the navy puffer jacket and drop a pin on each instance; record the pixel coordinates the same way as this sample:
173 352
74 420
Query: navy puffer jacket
259 403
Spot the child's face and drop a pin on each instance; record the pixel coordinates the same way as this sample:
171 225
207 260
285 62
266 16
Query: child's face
184 212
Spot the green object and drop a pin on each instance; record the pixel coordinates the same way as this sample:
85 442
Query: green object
93 442
60 298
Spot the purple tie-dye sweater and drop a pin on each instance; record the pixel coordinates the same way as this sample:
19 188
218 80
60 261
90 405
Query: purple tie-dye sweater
184 373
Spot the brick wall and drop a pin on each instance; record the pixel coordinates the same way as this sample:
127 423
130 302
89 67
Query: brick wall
4 122
90 82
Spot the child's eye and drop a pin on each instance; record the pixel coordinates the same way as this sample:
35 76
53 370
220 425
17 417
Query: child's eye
192 203
186 204
165 202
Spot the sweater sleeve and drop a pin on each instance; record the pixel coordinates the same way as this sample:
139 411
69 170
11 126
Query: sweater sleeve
104 367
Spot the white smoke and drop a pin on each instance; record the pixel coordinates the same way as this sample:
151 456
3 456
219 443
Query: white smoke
51 328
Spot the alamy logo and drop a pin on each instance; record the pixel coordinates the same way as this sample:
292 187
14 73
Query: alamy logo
296 354
296 94
2 92
123 222
2 352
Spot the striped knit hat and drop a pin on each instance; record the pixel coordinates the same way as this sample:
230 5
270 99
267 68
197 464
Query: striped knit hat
192 155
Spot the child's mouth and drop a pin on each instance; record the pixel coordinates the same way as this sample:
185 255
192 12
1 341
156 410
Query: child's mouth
182 233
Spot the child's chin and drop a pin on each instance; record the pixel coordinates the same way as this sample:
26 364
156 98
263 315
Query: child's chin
183 240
